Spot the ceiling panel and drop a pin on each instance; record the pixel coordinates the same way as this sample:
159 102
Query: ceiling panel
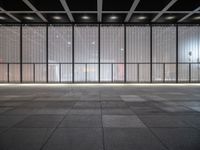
6 18
47 5
185 5
14 5
117 5
56 18
82 5
142 18
25 18
170 18
113 17
85 17
152 5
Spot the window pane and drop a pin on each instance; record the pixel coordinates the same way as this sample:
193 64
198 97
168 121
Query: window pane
86 43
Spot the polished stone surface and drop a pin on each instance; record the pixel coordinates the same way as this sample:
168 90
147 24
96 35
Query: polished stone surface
100 117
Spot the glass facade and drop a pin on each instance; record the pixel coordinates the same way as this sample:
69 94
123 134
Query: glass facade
90 53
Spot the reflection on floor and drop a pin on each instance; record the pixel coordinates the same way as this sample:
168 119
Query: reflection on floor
100 117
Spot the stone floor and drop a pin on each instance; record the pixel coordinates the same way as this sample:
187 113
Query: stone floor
100 117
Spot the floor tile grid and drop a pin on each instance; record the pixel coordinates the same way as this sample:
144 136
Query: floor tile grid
154 134
43 145
150 130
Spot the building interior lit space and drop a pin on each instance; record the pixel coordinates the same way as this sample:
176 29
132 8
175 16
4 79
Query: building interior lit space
99 74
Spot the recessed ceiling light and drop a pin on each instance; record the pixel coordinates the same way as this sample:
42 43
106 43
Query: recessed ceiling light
142 17
69 43
2 18
93 43
85 17
113 17
170 17
122 49
29 18
57 17
196 18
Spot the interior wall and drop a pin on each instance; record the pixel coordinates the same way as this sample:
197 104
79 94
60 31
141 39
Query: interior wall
99 53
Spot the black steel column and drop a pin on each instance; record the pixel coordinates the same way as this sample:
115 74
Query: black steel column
73 53
21 54
124 53
151 53
176 53
189 72
99 36
8 70
47 55
164 72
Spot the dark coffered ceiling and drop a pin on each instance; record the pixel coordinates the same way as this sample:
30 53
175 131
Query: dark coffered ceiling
95 11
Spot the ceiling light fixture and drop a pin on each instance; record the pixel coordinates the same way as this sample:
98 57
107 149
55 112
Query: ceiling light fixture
57 17
122 49
2 18
170 17
69 43
113 17
142 17
93 43
197 18
29 18
85 17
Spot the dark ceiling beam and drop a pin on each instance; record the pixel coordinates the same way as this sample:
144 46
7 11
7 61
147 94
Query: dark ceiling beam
188 15
10 15
66 8
164 10
35 10
92 12
132 9
99 9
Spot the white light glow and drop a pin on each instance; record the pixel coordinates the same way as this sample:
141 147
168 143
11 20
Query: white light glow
170 17
29 18
85 17
57 17
142 17
113 17
93 43
2 18
122 49
197 18
69 43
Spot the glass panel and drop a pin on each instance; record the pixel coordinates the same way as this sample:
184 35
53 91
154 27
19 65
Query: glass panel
112 44
138 44
188 43
14 73
54 73
10 44
66 73
60 44
40 72
118 72
80 72
92 72
183 72
144 73
28 73
3 73
170 72
157 72
164 44
132 73
195 72
106 73
86 43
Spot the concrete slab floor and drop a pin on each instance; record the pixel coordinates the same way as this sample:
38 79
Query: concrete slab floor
100 117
